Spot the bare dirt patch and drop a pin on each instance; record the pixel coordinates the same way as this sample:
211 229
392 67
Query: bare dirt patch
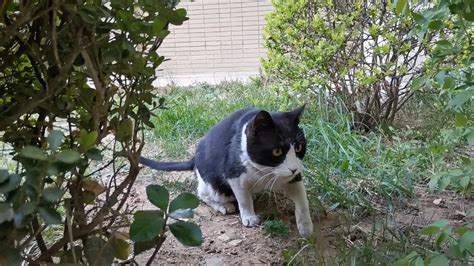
227 242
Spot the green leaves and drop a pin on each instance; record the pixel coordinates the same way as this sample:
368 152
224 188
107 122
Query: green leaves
52 194
434 228
463 8
406 261
158 196
175 17
99 252
10 184
441 238
439 260
457 248
68 156
275 227
3 175
10 256
54 122
120 245
124 130
466 242
32 152
401 7
49 215
94 154
6 212
147 228
183 201
188 234
461 97
87 140
315 40
141 246
158 25
470 137
146 225
55 139
461 120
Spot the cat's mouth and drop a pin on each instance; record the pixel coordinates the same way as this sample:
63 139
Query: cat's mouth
290 175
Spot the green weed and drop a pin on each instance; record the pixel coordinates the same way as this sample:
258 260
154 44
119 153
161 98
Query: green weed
361 173
275 228
343 168
192 111
186 185
269 215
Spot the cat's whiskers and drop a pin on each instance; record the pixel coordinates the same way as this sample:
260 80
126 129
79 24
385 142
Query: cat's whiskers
269 181
273 180
260 178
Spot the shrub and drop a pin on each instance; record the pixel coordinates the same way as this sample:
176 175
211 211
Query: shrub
451 248
449 74
72 73
356 50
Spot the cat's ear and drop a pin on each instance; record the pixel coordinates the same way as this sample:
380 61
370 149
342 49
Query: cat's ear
297 113
261 120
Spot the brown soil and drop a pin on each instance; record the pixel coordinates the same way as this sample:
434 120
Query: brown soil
227 242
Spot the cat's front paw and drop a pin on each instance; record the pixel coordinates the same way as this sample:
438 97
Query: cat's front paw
250 220
305 229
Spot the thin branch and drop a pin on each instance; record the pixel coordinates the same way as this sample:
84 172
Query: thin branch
157 248
40 240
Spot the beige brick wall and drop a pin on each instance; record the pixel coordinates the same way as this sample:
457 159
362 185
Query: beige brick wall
221 40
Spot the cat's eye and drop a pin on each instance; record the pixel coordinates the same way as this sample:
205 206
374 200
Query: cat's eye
277 152
298 148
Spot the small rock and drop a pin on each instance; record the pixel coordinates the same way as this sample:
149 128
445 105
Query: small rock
226 237
437 201
214 260
233 252
211 250
223 238
235 242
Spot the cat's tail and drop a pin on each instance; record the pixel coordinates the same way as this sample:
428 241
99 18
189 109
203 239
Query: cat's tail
168 166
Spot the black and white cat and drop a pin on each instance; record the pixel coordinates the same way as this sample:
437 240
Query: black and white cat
247 152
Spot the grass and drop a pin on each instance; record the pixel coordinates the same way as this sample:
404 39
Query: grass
336 155
193 111
275 228
360 174
179 187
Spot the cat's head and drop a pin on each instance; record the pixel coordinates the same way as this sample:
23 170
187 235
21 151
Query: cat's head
275 140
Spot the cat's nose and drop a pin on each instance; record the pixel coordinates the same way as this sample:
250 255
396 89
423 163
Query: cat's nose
292 170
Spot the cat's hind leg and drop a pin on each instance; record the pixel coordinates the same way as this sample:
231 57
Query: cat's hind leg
224 208
212 198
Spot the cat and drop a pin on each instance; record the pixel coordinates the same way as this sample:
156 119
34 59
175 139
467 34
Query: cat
247 152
